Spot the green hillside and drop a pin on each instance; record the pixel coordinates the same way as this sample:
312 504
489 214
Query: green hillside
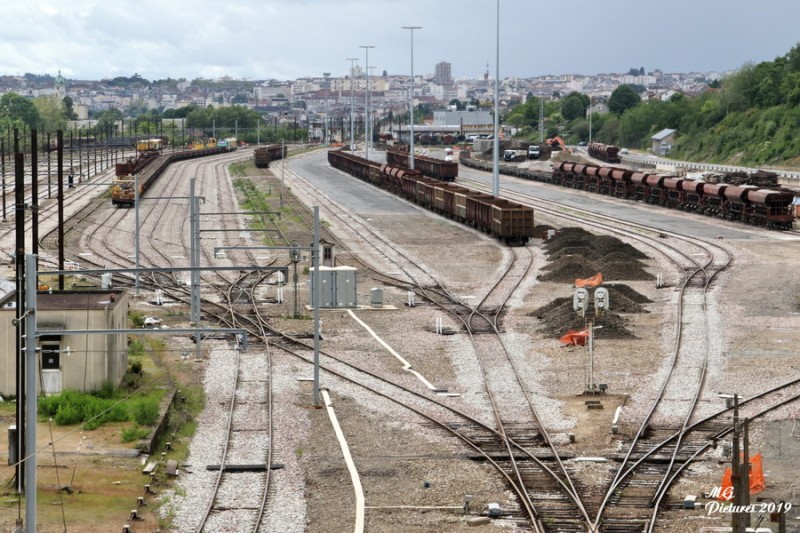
751 118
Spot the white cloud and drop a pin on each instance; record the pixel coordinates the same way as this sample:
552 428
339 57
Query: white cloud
284 39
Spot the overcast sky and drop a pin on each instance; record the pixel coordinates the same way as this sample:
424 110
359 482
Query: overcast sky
288 39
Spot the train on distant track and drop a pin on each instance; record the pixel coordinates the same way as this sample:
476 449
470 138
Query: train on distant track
769 208
148 166
505 220
154 144
263 155
231 143
604 152
427 166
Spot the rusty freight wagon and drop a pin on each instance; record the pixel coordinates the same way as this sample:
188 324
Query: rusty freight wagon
754 204
263 155
428 166
123 190
507 221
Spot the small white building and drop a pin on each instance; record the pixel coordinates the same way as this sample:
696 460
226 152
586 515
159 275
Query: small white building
78 362
663 141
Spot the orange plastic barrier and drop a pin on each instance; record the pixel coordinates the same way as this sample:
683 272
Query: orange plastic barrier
594 281
575 337
756 474
756 478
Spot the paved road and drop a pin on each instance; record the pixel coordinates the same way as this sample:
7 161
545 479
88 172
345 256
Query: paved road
359 197
365 199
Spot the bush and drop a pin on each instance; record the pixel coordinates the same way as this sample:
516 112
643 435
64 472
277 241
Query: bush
132 433
72 407
144 411
136 318
68 414
106 391
48 406
136 347
136 367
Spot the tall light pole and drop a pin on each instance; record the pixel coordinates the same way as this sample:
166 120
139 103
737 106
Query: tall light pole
327 93
496 147
371 113
411 97
541 120
352 106
366 47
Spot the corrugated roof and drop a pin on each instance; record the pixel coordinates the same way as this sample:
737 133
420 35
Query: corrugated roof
663 134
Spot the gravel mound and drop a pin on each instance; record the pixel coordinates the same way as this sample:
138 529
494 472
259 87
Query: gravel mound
577 254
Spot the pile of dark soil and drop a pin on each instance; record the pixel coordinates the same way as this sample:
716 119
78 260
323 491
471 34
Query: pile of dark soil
559 317
577 254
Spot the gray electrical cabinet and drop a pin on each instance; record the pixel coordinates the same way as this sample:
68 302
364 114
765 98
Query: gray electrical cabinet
326 287
376 297
338 287
345 287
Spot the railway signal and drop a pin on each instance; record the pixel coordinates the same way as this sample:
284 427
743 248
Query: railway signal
600 301
579 300
580 303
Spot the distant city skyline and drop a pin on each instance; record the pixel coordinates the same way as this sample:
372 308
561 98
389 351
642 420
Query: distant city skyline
285 40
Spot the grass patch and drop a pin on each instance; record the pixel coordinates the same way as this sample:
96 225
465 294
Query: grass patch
137 399
98 494
134 433
254 199
92 410
241 169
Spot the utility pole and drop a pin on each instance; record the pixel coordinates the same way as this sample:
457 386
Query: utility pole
745 475
352 106
327 93
366 47
737 526
541 120
496 143
22 368
411 99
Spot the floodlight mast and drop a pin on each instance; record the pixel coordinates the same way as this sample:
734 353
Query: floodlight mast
411 99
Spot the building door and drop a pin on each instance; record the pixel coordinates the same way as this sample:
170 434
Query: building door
51 369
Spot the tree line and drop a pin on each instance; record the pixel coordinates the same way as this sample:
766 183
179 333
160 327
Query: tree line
751 117
50 113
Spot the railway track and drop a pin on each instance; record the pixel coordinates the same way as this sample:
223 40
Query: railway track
242 487
512 442
639 488
547 494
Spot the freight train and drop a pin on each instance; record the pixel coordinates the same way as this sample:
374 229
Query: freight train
769 208
604 152
508 221
148 167
427 166
264 154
